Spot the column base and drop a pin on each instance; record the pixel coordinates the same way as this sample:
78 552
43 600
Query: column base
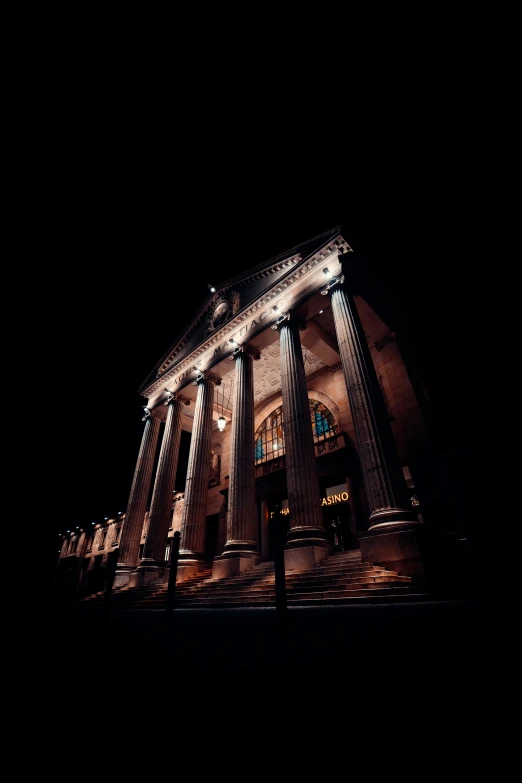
145 573
305 556
233 564
397 547
122 575
189 568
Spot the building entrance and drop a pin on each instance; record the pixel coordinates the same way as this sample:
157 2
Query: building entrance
337 523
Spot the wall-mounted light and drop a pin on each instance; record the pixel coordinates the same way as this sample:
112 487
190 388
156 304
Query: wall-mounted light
221 422
232 341
276 309
321 311
106 517
327 272
211 287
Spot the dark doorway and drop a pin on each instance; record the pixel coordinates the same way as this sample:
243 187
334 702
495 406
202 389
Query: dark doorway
337 523
211 538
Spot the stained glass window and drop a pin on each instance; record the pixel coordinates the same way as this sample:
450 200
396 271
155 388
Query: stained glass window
270 438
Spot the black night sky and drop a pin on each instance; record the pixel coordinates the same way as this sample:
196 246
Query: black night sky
154 195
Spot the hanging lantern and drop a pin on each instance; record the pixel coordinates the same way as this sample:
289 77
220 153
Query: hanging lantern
221 422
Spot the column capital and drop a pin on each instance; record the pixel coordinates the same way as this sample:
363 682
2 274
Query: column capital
332 285
250 350
176 397
291 319
207 375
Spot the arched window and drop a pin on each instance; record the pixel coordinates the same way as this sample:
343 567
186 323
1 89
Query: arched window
270 438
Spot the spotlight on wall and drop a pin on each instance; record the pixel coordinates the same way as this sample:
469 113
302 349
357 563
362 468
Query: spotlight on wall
327 272
211 287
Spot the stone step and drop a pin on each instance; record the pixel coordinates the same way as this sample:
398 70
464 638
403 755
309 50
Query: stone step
308 599
331 568
316 579
342 577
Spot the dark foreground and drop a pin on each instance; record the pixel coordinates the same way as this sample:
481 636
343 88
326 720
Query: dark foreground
336 677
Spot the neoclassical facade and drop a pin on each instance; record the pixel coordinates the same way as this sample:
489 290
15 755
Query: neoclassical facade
304 411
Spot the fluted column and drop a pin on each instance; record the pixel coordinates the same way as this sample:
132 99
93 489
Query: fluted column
241 545
304 499
383 477
192 546
129 545
152 563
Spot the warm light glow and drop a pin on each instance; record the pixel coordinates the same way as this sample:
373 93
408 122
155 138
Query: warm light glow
221 423
327 272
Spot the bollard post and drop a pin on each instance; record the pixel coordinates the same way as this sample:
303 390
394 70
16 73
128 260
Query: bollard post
279 569
171 588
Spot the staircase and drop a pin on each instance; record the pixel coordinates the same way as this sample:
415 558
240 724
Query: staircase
342 578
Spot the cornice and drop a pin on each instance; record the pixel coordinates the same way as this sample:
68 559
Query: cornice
337 244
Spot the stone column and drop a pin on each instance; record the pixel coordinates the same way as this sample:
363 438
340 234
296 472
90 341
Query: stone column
391 537
192 546
152 563
307 543
241 551
129 547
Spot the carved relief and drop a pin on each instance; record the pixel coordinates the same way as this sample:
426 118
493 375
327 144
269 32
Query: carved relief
223 307
179 502
215 469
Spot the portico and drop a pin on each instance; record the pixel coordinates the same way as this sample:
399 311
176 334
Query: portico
317 398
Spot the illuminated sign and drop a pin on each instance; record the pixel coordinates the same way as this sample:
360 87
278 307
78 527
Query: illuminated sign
329 500
342 497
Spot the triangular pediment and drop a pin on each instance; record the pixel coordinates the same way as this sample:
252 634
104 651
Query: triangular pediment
235 295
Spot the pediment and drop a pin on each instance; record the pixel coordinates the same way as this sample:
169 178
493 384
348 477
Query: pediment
236 296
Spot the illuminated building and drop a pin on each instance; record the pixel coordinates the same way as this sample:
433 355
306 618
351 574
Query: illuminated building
304 411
